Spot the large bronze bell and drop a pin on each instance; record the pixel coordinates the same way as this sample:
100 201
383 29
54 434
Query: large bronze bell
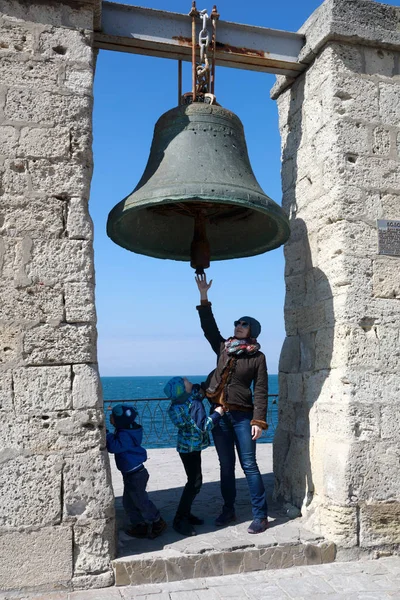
198 198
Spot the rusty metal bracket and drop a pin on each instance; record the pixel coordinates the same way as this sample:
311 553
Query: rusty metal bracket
168 35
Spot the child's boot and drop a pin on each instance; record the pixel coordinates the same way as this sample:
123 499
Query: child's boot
183 526
139 530
157 528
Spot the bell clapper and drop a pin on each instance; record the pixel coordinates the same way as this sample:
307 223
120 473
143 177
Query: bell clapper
200 247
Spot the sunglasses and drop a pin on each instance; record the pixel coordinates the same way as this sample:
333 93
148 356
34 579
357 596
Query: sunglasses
242 323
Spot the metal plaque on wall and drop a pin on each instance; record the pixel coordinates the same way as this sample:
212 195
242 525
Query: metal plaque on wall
389 237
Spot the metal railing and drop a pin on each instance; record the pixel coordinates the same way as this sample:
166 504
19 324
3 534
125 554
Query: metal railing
158 430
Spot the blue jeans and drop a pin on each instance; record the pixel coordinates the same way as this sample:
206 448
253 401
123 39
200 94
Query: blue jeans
234 429
135 500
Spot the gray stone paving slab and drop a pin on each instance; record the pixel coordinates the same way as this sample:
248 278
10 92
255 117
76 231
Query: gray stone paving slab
364 580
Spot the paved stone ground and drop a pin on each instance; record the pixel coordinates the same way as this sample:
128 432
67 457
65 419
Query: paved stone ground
167 479
363 580
213 551
368 579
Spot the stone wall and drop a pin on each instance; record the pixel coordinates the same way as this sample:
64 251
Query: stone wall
56 506
336 451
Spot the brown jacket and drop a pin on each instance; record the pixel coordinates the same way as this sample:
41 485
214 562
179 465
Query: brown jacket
247 369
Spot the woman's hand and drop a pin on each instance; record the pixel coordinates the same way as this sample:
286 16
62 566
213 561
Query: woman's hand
256 432
219 410
203 285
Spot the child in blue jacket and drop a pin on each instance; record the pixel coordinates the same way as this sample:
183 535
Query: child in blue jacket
187 412
130 455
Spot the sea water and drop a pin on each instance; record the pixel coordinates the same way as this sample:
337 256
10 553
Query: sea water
158 430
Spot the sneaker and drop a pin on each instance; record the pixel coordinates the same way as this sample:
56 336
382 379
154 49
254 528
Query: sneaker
157 528
193 520
139 530
183 526
226 517
258 526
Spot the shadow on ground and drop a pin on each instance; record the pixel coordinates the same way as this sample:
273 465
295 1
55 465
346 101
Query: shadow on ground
207 506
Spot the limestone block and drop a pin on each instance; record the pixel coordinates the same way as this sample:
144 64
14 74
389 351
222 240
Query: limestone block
47 108
307 351
59 178
379 524
10 345
389 103
370 470
343 274
310 318
38 217
343 202
79 302
355 238
31 491
353 97
287 174
289 360
386 282
310 188
14 176
74 15
65 260
313 119
390 204
40 142
29 72
66 45
42 389
341 58
379 62
324 344
296 471
94 543
79 81
295 387
381 142
337 523
390 429
79 222
295 257
370 386
81 144
6 391
87 487
45 431
32 304
9 140
351 137
323 385
295 291
360 20
97 581
373 172
86 387
66 344
377 346
341 421
36 558
16 38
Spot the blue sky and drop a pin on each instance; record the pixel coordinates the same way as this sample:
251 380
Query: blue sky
147 322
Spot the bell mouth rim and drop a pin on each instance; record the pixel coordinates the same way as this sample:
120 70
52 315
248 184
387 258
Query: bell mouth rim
271 210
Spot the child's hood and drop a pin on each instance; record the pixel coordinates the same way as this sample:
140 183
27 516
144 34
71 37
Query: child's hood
135 434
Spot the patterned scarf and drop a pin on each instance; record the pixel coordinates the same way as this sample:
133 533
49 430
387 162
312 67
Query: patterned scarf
234 347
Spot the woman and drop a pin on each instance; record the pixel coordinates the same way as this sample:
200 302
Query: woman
240 363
